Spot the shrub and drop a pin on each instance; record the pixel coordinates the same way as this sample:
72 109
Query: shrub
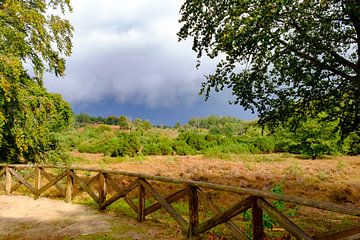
194 140
265 144
127 145
181 148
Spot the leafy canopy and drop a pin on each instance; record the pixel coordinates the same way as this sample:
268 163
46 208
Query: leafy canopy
281 58
33 37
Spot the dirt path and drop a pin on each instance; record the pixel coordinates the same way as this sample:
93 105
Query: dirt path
21 217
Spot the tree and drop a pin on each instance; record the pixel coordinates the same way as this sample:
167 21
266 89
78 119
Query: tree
124 122
282 58
311 138
31 35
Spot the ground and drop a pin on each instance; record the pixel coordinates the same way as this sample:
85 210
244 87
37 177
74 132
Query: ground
334 179
21 217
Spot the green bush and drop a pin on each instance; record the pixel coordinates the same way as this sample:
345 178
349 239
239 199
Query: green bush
265 144
127 145
194 140
352 143
311 138
181 148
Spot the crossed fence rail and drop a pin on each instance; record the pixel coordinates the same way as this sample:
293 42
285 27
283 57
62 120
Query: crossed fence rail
68 183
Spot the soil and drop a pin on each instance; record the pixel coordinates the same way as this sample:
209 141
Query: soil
21 217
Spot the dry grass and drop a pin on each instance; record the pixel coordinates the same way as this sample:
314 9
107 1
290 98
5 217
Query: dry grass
333 179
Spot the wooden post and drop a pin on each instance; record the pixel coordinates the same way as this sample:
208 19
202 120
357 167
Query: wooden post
37 182
193 211
8 181
69 187
102 191
257 220
141 206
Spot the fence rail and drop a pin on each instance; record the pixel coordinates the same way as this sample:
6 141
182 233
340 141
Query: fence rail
69 184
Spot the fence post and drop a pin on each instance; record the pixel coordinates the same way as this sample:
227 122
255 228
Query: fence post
141 206
37 181
193 211
102 190
69 187
8 181
257 220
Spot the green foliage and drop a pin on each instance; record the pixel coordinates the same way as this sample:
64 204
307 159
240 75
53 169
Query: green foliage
297 58
127 145
190 141
194 140
265 144
182 148
352 143
29 118
124 122
29 115
311 138
220 125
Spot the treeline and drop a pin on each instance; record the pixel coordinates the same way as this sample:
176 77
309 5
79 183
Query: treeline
122 121
213 135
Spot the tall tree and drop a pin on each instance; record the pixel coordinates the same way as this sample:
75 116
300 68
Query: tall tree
281 58
33 37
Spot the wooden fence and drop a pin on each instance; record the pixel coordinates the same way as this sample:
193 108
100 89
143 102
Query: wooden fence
68 183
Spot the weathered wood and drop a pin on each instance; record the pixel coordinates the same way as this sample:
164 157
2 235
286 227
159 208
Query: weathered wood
349 210
102 190
170 199
178 218
257 220
37 183
344 209
225 216
348 234
2 172
85 187
120 194
131 204
50 178
8 181
69 187
282 220
237 233
18 184
193 211
79 190
112 183
52 182
141 204
22 180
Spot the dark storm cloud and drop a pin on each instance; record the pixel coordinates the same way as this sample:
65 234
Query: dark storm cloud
127 51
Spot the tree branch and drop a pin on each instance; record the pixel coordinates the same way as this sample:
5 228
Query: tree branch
317 62
319 45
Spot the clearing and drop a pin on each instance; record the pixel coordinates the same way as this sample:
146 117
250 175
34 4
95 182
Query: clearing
334 179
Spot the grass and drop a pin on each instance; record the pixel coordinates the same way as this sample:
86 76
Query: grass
249 157
324 179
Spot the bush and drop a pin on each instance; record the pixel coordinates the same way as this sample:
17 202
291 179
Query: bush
352 143
181 148
127 145
311 138
194 140
264 144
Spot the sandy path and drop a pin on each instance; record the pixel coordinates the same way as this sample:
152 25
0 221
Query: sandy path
21 217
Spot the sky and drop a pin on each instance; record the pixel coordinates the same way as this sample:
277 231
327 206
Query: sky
127 61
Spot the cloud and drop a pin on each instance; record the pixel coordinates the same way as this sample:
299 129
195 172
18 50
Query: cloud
128 51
